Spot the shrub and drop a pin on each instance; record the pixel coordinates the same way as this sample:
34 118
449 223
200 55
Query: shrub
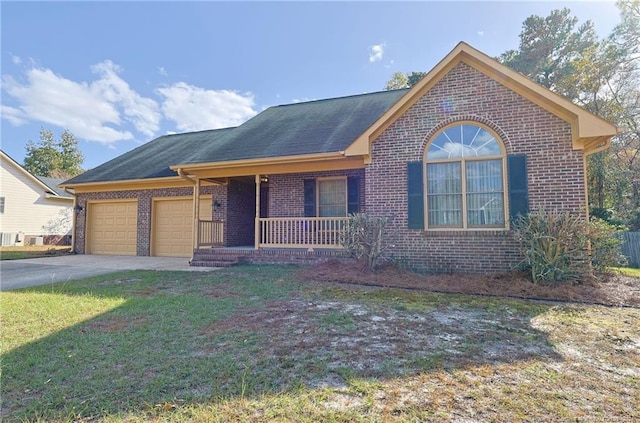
553 245
366 238
563 247
605 245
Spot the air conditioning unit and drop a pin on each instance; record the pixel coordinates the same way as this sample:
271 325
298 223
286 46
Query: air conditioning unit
8 238
36 240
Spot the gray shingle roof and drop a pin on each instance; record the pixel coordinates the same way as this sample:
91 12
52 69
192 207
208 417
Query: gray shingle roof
152 160
53 184
321 126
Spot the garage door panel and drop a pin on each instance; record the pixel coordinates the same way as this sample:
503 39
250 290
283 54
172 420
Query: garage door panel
112 228
173 226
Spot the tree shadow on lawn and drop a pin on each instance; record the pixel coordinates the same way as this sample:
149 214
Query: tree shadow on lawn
193 338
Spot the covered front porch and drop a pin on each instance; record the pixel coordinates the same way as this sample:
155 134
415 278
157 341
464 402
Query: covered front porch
261 212
283 209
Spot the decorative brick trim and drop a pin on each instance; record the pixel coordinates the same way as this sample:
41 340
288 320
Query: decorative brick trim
468 118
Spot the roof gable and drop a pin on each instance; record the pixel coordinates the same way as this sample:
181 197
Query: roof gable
588 130
48 185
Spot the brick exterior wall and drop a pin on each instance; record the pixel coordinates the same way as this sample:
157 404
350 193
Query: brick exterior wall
286 192
555 171
144 198
555 177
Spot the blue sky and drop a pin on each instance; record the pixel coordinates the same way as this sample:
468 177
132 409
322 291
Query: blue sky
119 74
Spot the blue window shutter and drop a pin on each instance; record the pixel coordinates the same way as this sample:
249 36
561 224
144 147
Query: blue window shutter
309 198
353 194
415 192
518 185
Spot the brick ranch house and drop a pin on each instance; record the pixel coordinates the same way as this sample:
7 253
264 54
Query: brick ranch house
452 159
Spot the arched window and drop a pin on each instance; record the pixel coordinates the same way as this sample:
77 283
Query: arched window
465 178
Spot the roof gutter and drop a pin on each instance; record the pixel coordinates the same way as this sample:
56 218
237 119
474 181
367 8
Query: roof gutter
599 148
261 161
185 177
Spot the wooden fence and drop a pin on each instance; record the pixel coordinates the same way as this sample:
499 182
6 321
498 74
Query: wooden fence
631 248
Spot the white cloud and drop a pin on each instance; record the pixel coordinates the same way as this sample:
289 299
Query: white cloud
16 59
195 109
13 115
92 111
141 112
481 33
162 71
108 110
376 52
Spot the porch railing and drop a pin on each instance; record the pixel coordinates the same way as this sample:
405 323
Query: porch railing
301 232
211 233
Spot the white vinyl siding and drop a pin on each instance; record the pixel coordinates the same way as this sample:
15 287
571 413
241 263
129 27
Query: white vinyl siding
27 208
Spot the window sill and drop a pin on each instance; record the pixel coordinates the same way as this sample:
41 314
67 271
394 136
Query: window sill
463 233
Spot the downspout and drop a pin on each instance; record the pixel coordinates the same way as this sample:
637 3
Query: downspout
73 221
196 193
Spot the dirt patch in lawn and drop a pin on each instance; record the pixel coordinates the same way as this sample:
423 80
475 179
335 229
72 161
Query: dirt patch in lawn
615 290
331 341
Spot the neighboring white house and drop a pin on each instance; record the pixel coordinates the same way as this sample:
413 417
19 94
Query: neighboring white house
32 209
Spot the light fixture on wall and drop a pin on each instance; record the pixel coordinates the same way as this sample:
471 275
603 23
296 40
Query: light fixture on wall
264 179
216 205
78 208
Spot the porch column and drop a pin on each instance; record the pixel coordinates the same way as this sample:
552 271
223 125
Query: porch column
196 214
257 226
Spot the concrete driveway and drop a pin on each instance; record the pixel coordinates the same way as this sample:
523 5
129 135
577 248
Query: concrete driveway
41 271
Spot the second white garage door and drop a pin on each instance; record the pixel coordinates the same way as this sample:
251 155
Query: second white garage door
172 231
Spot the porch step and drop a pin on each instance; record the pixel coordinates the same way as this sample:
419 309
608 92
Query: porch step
209 258
213 263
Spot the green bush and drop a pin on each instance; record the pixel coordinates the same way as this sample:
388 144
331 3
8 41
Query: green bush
561 247
605 245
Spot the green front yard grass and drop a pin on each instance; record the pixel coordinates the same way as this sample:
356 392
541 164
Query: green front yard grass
628 271
258 343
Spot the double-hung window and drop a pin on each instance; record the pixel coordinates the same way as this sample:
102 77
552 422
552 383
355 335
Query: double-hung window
332 197
465 179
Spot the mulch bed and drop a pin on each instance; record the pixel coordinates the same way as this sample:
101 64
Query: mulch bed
611 290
